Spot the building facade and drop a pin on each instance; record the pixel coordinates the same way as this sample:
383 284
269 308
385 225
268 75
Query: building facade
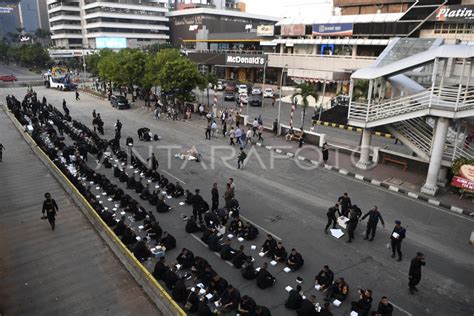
28 15
117 24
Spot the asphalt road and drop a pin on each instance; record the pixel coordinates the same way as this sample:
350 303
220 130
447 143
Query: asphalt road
291 203
22 74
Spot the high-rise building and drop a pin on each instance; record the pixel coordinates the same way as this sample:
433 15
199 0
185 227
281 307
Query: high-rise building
108 23
28 15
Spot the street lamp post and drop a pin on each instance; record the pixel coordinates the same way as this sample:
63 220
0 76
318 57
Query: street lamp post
279 101
321 106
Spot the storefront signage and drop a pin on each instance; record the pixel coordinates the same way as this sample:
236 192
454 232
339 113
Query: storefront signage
293 30
454 13
6 10
265 30
192 20
246 60
333 29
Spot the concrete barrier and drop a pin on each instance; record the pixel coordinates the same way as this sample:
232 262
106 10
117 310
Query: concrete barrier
312 138
142 276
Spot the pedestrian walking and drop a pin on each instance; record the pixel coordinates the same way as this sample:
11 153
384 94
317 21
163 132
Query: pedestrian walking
325 152
374 217
51 209
77 96
94 114
65 108
215 197
1 151
118 126
208 131
331 214
213 128
414 275
232 136
224 128
273 100
275 127
241 158
398 234
260 132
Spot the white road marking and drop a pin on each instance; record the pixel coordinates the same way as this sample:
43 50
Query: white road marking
173 176
401 309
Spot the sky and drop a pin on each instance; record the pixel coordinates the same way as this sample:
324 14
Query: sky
289 8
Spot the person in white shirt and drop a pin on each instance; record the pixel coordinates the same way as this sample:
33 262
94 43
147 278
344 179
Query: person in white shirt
255 126
214 128
249 137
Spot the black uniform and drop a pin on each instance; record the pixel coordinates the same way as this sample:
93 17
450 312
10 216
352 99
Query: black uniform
346 204
51 208
396 242
414 275
374 216
331 214
215 199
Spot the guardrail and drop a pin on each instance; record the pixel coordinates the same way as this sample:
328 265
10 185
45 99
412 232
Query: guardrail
155 291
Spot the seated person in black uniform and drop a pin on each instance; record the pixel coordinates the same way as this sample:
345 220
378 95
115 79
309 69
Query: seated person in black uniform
178 191
163 182
264 278
250 232
295 299
154 175
118 195
108 218
161 206
170 187
262 311
131 183
211 219
123 176
168 241
128 237
185 258
239 258
230 299
227 252
338 290
121 226
170 277
180 293
145 195
295 260
214 242
236 226
140 214
155 232
218 285
141 251
324 278
279 254
160 268
192 301
199 265
206 234
246 306
139 187
191 226
117 171
125 201
248 270
154 198
269 246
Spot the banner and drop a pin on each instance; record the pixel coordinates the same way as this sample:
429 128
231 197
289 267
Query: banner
333 29
265 30
293 30
465 179
454 13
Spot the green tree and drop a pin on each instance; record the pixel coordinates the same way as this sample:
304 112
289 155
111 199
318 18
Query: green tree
42 36
107 66
305 91
156 48
132 65
180 77
4 48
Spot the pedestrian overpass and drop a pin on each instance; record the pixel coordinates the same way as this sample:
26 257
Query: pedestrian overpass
422 92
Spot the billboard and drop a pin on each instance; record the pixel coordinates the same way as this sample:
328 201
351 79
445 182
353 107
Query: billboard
110 42
265 30
454 13
246 60
465 178
333 29
293 30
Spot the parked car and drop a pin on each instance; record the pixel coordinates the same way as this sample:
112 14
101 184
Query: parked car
230 87
220 86
119 102
255 100
243 89
243 97
256 91
268 93
229 96
6 78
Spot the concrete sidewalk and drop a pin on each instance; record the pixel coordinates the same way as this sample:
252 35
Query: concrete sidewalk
69 271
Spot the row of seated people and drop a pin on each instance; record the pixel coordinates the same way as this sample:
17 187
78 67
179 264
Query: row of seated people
277 252
195 299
